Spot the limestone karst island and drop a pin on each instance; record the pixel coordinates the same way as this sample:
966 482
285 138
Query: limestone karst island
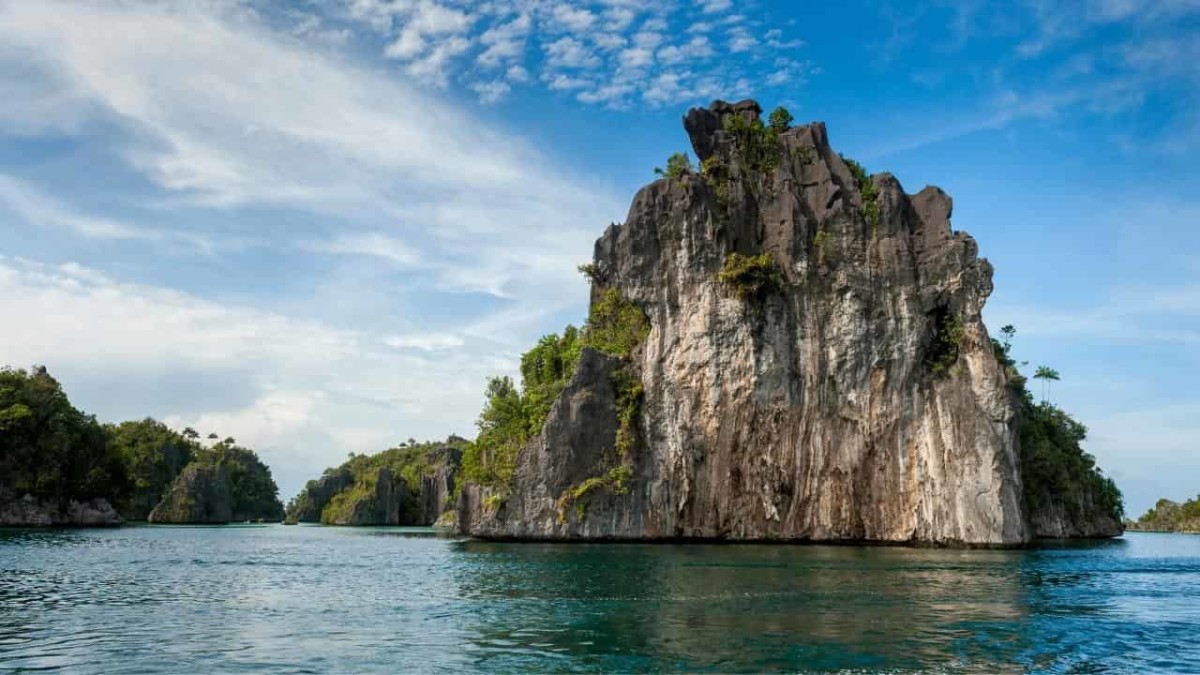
779 347
365 337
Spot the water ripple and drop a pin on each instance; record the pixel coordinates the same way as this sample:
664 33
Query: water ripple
310 599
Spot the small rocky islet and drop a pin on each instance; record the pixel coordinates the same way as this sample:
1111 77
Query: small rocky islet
1169 516
779 346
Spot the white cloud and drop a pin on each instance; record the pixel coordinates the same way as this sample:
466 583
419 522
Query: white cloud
38 209
567 52
626 43
301 392
429 343
505 43
572 19
371 244
740 40
491 92
388 198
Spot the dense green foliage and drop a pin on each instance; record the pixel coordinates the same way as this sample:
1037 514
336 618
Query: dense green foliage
512 415
678 166
615 324
54 452
1054 466
751 276
1169 516
870 193
780 120
948 333
48 448
756 145
153 455
410 462
591 271
252 490
1055 469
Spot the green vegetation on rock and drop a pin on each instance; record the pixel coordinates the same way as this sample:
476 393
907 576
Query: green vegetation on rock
512 415
252 490
1169 516
616 480
678 166
348 494
153 455
756 145
615 324
870 193
1057 475
57 454
48 448
780 120
751 276
948 333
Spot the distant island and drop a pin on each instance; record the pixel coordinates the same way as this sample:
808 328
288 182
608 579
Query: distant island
59 466
1169 516
411 484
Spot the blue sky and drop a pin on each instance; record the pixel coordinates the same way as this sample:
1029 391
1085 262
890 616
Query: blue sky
318 226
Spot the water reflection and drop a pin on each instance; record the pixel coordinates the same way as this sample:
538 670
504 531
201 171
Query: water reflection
390 600
736 607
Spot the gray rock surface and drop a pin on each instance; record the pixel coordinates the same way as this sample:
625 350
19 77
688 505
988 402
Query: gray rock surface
811 412
317 493
199 496
27 511
433 500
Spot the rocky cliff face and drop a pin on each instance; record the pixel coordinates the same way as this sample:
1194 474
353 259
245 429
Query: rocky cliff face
200 495
307 507
433 499
30 512
373 490
377 503
816 366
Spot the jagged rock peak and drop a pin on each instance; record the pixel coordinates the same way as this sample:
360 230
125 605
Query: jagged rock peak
815 366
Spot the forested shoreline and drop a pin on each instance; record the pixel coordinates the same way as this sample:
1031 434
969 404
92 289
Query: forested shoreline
60 466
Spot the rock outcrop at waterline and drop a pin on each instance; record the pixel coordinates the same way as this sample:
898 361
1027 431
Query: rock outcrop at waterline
406 485
200 496
28 511
815 368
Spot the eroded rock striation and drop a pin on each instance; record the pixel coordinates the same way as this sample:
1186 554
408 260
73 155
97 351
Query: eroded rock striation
816 367
200 495
407 485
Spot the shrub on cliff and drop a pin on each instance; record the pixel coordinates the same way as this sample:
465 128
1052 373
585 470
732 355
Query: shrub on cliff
678 166
780 120
752 276
756 145
866 188
615 324
512 415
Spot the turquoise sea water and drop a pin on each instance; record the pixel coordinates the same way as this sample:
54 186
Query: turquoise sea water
313 599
